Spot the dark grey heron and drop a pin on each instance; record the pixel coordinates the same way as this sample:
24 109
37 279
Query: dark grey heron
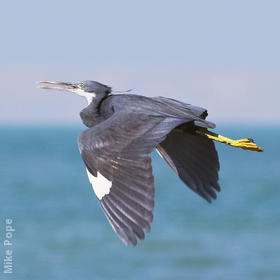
123 130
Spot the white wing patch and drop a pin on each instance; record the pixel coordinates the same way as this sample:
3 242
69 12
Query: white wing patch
100 184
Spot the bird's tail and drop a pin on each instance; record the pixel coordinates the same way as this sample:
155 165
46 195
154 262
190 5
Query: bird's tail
246 144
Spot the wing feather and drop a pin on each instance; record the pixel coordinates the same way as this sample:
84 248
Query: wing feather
195 160
119 148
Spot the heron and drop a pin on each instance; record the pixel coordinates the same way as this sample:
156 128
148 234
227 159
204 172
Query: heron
123 130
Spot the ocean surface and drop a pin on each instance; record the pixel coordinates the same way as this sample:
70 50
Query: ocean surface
62 233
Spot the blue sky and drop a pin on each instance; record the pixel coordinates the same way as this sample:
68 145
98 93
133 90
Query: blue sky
223 55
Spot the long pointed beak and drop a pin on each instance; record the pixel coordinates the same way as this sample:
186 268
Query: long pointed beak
60 85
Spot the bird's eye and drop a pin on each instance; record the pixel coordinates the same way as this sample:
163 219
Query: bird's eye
80 86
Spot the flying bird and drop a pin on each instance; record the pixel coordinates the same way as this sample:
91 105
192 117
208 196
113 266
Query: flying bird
123 130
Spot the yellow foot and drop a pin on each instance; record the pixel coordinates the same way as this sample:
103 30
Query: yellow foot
246 144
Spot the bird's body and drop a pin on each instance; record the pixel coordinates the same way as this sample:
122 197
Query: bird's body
123 130
103 108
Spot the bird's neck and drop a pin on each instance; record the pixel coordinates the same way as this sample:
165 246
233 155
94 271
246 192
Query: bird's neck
91 115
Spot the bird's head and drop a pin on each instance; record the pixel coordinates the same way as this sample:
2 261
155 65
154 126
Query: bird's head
87 89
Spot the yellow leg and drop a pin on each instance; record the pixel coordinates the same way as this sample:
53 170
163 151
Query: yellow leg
246 144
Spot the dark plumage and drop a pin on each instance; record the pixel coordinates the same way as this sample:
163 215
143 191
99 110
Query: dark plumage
122 132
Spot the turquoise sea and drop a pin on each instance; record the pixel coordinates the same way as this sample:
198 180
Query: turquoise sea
62 233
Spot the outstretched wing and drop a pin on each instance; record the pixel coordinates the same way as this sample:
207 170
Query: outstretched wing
117 156
194 159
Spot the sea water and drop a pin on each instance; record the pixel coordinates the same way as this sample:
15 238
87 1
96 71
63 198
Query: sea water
62 233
